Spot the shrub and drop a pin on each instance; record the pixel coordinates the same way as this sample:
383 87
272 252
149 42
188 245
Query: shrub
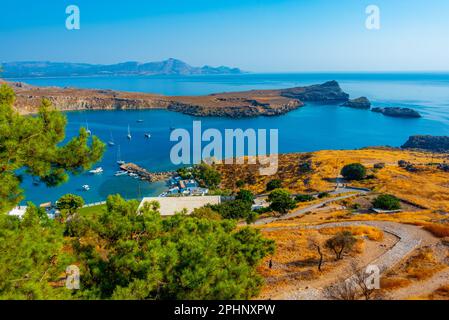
70 203
245 195
281 201
305 167
322 195
237 209
354 171
240 183
207 175
340 243
274 184
304 198
185 173
387 202
205 213
262 210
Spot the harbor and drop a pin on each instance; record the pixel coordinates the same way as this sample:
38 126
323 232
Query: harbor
136 171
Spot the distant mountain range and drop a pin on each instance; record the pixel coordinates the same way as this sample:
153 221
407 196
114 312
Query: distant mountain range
170 66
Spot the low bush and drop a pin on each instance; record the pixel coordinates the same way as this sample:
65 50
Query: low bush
304 198
387 202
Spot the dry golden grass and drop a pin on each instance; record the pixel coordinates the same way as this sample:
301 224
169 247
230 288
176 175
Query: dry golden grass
294 255
442 293
420 266
428 188
295 261
438 230
418 218
292 252
393 283
372 233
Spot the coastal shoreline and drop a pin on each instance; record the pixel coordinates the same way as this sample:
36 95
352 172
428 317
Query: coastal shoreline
251 103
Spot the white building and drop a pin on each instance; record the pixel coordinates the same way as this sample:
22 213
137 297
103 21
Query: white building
18 211
170 205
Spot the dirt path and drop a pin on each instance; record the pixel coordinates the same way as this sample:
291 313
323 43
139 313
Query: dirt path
409 238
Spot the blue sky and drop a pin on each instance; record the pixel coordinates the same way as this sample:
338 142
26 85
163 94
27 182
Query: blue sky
259 36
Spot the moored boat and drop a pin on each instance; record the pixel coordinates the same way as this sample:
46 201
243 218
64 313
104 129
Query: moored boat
96 170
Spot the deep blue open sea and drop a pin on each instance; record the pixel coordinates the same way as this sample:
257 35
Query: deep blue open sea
313 127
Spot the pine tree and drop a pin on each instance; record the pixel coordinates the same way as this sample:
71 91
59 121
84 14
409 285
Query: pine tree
32 145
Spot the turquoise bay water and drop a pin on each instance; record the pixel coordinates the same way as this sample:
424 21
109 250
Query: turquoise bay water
313 127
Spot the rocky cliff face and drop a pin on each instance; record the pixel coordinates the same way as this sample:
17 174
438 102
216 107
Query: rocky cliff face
244 111
328 92
233 104
433 143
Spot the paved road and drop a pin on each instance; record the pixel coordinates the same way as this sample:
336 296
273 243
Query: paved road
337 191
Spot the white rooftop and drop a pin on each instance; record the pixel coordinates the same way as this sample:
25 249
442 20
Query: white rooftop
18 211
170 205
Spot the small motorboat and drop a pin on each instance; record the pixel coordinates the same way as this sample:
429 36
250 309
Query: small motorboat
140 120
148 135
120 162
120 173
134 175
96 171
86 187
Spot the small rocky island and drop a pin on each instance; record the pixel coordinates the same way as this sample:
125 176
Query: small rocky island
358 103
365 104
427 142
397 112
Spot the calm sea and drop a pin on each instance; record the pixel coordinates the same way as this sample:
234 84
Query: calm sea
313 127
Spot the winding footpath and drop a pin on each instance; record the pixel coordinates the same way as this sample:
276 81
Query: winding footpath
410 237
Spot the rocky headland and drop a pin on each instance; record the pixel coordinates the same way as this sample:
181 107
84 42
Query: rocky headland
427 142
229 104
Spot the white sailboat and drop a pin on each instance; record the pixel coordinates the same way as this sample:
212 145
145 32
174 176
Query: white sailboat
119 160
129 133
111 142
87 129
